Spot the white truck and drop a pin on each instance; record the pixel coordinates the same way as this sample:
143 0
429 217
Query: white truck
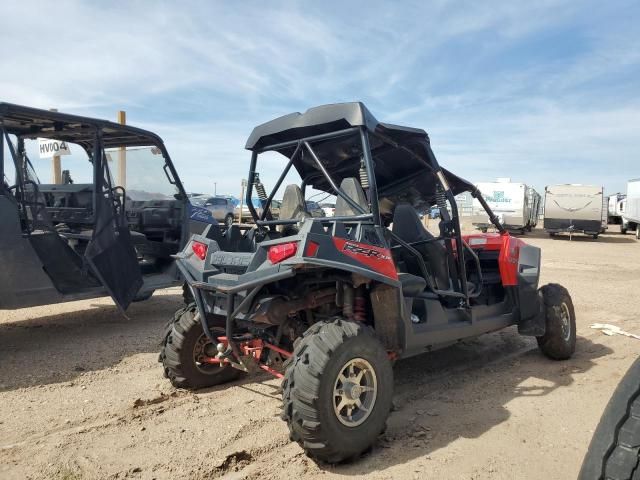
631 208
616 206
575 208
515 204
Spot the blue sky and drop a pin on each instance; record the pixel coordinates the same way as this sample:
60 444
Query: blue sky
543 92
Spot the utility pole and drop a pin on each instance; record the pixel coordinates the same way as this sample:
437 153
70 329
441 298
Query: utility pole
56 165
122 155
215 189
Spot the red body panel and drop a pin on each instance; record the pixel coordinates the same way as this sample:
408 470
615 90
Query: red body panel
509 248
376 258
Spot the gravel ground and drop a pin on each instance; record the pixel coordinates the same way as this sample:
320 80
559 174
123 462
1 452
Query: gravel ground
83 396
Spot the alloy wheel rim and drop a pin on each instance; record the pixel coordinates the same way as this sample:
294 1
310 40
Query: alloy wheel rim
354 392
565 318
203 348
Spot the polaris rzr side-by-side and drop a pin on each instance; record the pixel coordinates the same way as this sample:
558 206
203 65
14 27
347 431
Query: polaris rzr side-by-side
68 241
328 304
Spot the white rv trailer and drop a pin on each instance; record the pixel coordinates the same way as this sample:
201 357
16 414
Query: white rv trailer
535 207
515 204
631 208
616 205
575 208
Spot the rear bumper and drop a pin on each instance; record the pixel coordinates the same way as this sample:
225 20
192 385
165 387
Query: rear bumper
568 225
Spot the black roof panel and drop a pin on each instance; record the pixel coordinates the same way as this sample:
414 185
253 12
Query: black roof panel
33 122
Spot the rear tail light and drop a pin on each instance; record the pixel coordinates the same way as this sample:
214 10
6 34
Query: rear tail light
281 252
200 249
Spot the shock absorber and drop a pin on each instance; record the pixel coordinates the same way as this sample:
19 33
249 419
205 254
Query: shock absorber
359 306
441 198
262 194
364 178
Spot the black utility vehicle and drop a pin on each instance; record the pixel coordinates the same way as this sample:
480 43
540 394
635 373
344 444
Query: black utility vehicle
330 303
68 241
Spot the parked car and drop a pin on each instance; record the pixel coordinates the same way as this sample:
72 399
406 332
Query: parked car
246 213
314 209
328 209
221 208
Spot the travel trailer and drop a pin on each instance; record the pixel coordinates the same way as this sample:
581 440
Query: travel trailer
575 208
616 206
631 213
515 204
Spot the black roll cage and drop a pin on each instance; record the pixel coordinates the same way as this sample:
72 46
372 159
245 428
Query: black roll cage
305 143
94 151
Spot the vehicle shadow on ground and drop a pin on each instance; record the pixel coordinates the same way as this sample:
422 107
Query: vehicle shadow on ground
600 239
58 348
463 392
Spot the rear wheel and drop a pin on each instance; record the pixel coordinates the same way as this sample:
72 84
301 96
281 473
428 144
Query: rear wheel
638 232
183 354
595 236
337 390
614 449
559 339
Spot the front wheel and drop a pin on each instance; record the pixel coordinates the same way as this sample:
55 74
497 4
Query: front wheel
337 390
228 220
559 339
638 232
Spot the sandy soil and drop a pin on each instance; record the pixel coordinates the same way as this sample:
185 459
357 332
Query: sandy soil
83 397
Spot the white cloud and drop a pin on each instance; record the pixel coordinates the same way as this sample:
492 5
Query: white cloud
203 73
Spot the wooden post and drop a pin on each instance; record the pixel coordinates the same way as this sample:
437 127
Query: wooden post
122 155
56 165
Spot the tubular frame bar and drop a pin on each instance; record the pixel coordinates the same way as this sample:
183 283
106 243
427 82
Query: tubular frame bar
250 182
373 186
478 196
2 154
337 189
267 204
314 138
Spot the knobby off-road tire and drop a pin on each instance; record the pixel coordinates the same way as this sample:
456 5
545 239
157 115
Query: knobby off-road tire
187 294
559 340
614 449
316 384
183 344
166 331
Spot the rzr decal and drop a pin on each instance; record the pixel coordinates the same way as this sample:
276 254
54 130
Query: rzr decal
376 258
369 252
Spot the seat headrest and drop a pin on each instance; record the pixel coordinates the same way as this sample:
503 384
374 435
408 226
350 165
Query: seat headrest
407 224
293 206
353 189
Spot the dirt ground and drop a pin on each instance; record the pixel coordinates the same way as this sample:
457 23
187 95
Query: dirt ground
83 396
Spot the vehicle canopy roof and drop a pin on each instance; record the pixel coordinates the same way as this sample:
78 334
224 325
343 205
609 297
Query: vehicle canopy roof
30 122
404 168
